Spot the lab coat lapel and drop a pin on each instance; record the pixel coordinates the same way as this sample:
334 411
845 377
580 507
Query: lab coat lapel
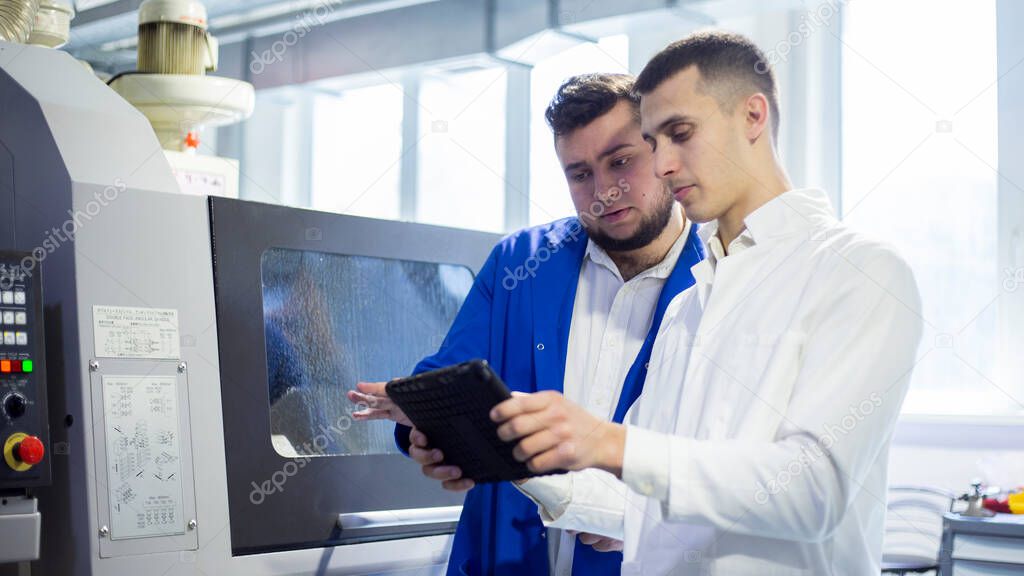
553 292
679 280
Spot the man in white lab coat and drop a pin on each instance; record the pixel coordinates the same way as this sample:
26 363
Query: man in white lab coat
760 443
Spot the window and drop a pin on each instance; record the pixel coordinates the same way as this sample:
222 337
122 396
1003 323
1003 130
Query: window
549 193
357 151
919 141
461 165
331 320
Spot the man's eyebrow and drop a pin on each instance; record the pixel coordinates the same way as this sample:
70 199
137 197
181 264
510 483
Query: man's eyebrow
668 122
613 150
574 166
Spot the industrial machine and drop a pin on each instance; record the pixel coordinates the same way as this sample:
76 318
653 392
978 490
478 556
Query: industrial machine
197 353
172 89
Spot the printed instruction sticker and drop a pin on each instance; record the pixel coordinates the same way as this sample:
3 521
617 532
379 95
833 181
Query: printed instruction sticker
145 333
143 456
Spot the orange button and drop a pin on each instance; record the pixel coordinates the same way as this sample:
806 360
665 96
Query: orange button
5 366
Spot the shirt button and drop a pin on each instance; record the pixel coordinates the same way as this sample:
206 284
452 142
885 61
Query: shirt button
646 488
540 346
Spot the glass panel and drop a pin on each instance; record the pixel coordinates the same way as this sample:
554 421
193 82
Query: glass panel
332 320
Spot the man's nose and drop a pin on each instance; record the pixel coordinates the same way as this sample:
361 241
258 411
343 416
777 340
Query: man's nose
607 190
665 163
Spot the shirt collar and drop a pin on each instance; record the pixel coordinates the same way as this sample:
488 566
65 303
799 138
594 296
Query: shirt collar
788 213
663 269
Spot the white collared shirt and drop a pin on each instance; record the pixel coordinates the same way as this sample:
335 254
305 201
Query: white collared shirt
760 443
610 321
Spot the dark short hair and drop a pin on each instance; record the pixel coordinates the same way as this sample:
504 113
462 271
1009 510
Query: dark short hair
730 65
582 99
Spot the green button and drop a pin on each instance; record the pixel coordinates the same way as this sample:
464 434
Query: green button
26 366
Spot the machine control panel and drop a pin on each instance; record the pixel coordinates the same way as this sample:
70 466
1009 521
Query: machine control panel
24 430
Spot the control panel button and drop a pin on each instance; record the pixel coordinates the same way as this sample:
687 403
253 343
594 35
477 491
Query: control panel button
27 366
22 451
19 297
8 318
14 405
21 338
7 297
20 318
30 451
9 339
5 366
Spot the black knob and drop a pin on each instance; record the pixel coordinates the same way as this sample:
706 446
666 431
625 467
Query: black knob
14 405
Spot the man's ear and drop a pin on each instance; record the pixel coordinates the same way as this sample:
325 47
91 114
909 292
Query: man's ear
756 112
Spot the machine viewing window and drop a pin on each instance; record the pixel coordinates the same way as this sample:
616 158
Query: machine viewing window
332 320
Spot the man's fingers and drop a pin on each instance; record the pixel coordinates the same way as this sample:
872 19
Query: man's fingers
608 545
425 456
417 438
520 426
370 400
460 485
562 456
536 444
601 543
443 472
372 414
375 388
522 404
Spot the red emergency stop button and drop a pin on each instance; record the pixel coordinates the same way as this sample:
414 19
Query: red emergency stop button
30 450
22 451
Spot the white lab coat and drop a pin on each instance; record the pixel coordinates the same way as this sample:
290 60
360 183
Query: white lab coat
760 443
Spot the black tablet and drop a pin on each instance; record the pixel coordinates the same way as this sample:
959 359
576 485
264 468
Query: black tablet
452 407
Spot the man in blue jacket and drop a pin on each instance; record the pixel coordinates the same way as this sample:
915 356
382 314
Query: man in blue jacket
571 306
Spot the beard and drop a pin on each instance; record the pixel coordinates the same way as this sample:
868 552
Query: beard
651 226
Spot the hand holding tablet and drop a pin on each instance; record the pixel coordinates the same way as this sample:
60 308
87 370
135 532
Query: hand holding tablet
451 407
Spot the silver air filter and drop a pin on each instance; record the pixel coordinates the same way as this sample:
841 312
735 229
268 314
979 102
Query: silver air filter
173 38
16 19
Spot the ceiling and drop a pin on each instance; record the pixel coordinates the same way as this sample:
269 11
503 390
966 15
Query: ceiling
103 31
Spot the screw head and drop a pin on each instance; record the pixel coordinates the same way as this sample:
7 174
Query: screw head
104 531
182 367
192 524
93 365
